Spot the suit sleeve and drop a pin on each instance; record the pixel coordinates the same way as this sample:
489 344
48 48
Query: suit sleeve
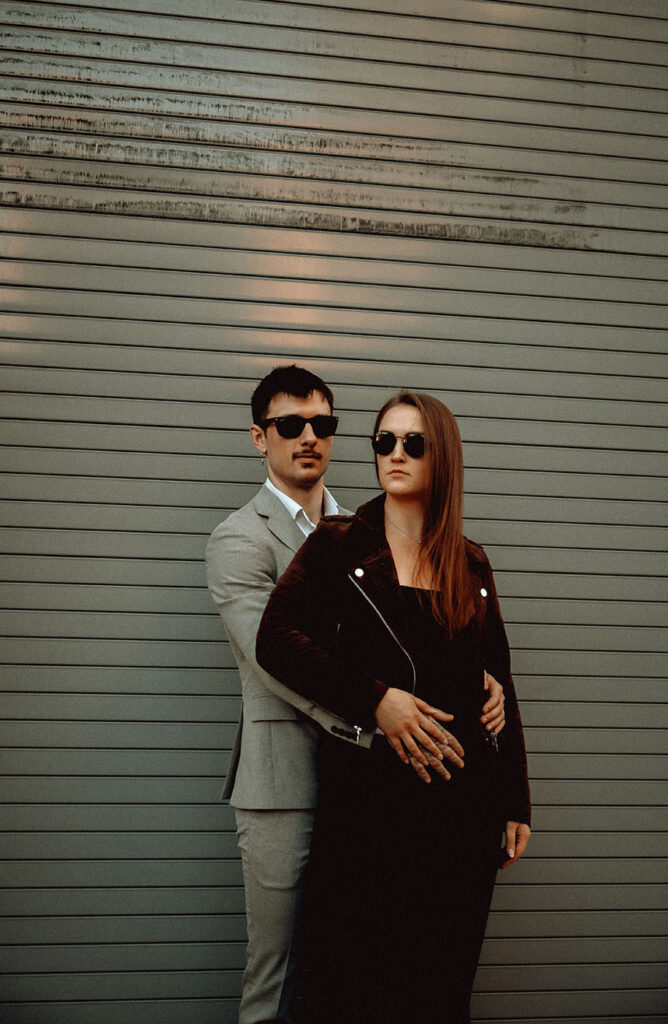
512 749
241 576
297 638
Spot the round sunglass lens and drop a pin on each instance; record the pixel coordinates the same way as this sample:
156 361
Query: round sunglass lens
414 445
384 442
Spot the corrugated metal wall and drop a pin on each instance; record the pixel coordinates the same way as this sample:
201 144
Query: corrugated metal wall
469 200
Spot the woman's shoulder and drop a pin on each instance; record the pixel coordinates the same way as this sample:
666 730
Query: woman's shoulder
335 525
330 532
475 552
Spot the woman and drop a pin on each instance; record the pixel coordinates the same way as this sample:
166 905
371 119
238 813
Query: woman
381 616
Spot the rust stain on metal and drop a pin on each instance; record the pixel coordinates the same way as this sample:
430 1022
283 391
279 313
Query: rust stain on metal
221 211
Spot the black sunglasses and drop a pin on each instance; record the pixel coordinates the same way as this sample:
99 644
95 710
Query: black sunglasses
384 443
293 425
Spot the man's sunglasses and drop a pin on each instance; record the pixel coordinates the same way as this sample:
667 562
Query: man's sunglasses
293 426
384 443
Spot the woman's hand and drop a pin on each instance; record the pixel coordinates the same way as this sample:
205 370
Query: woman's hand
493 715
411 727
451 749
517 836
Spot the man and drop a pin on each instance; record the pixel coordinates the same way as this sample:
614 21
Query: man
272 781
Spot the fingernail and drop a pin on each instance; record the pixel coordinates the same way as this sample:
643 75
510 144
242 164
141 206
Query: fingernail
511 853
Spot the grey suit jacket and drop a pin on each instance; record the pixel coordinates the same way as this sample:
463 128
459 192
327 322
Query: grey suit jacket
273 761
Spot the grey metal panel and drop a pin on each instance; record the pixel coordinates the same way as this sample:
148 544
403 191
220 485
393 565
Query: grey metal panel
618 949
144 899
580 1004
32 251
137 928
154 1011
443 17
117 846
556 976
167 235
574 177
601 897
208 289
114 679
279 342
573 923
198 41
423 164
121 818
112 187
164 956
469 193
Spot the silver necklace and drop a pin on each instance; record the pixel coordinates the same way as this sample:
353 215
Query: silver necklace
401 530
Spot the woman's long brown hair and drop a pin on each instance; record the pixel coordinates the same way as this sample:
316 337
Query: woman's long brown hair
443 552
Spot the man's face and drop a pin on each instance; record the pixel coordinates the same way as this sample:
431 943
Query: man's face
298 463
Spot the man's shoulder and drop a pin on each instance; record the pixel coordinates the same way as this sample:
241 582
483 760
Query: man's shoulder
248 522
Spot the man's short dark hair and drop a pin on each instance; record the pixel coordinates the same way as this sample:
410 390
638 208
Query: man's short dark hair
287 380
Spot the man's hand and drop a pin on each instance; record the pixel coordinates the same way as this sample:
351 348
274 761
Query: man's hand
517 837
412 729
493 715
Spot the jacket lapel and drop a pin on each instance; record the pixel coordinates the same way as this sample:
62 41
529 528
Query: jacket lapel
279 521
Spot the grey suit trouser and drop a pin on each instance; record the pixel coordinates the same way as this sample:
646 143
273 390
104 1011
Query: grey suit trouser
274 849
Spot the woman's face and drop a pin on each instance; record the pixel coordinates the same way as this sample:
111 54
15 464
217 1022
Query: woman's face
400 475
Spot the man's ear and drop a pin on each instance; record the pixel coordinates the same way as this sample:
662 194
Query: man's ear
258 438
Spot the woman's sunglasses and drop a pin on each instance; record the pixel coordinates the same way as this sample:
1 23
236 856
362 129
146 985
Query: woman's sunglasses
293 426
384 443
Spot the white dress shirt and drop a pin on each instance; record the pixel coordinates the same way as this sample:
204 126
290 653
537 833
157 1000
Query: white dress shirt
330 508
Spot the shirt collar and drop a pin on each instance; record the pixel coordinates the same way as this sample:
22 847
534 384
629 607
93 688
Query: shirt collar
330 508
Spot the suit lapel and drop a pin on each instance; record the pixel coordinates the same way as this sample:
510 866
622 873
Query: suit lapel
279 521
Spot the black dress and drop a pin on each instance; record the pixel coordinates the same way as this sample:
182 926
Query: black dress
401 872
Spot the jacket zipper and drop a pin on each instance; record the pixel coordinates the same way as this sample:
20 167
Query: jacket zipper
388 628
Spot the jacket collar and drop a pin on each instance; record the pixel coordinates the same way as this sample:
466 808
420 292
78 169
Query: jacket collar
370 553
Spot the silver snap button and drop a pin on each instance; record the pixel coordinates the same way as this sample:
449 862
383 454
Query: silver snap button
359 573
483 592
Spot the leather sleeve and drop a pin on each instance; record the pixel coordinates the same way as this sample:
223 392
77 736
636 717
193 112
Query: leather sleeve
512 751
296 641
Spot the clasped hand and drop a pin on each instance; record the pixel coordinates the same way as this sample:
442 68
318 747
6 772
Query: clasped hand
415 732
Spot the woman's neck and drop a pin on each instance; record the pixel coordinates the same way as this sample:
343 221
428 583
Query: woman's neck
404 522
405 517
